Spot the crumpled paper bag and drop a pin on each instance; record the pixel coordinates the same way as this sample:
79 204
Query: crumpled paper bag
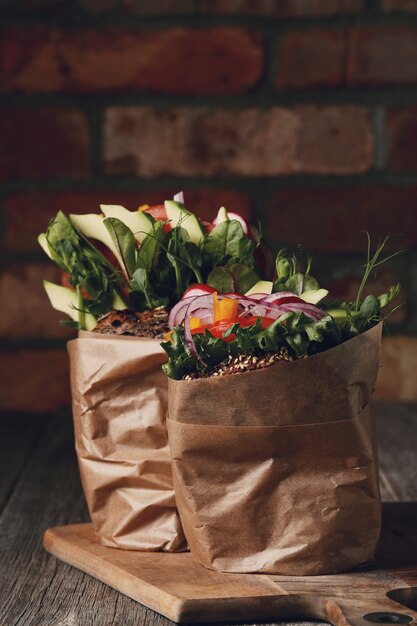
275 470
119 401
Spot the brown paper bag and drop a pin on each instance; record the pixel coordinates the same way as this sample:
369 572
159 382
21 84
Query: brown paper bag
119 400
275 470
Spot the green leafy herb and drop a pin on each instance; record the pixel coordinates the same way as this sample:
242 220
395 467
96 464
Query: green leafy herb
236 277
372 262
124 241
289 279
227 244
89 271
295 331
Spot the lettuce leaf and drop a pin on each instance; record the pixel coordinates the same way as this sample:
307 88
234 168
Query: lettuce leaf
295 331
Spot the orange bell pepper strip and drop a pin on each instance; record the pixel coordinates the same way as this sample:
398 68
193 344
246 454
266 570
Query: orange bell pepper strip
224 309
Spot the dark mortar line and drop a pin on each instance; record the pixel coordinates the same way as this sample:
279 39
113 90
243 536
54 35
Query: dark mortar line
239 183
79 19
264 94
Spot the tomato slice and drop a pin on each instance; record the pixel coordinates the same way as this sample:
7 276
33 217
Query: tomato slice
158 212
66 282
218 328
209 226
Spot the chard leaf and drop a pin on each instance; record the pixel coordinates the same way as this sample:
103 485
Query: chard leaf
124 241
221 279
149 248
227 244
236 277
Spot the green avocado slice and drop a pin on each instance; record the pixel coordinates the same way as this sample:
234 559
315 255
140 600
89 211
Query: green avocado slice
178 215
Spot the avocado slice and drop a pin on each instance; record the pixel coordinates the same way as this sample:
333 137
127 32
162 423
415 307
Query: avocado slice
66 300
92 226
118 303
139 223
222 216
43 242
314 296
178 215
262 286
341 314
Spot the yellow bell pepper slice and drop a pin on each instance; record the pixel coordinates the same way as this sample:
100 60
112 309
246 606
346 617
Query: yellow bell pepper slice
195 322
224 309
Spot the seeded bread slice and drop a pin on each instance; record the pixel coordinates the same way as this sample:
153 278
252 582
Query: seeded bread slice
153 324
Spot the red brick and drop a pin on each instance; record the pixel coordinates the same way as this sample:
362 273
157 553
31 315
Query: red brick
334 140
312 59
252 142
34 380
402 139
382 55
345 286
397 376
350 57
39 143
332 219
271 8
25 310
407 6
176 60
28 213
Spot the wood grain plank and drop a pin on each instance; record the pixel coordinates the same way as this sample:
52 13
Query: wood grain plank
397 440
181 589
36 589
20 436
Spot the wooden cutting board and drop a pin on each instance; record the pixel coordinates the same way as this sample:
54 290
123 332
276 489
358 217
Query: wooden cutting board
184 591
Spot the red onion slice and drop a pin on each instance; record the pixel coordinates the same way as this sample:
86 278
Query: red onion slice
308 309
198 303
176 316
179 197
198 290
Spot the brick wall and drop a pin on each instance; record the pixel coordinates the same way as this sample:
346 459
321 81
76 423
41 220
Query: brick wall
300 112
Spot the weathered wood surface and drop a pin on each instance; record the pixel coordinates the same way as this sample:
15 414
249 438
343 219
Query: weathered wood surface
41 488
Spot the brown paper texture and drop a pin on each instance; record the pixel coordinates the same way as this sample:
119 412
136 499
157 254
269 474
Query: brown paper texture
275 470
119 400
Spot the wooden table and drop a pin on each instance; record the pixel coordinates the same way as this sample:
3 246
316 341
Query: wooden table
40 487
